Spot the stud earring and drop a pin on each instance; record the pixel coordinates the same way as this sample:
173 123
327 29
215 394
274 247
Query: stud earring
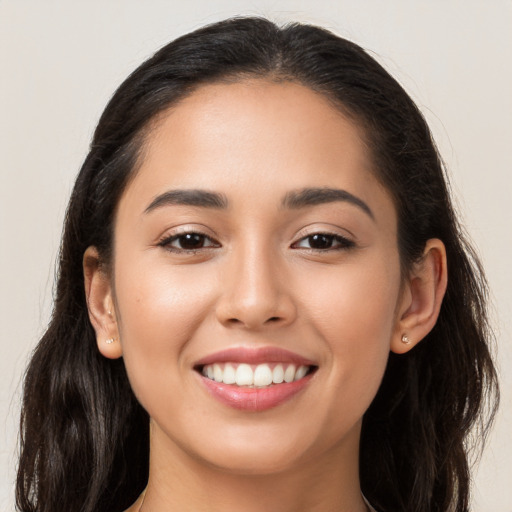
405 339
110 340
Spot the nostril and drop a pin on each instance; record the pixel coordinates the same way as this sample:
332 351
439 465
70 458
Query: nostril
273 319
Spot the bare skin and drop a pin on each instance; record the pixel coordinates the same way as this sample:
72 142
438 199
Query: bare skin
320 279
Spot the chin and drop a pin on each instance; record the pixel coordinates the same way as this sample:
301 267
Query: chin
263 451
254 462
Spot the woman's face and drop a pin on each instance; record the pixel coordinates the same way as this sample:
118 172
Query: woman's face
255 245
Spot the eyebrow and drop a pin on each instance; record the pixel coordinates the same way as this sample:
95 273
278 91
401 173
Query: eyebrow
189 197
292 200
314 196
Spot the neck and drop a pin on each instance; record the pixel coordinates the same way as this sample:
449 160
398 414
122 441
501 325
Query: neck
329 482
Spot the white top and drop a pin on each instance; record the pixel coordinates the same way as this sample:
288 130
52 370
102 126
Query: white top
368 505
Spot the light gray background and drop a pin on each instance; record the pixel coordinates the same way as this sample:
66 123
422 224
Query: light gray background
61 60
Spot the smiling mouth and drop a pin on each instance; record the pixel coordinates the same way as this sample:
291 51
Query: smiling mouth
255 379
261 375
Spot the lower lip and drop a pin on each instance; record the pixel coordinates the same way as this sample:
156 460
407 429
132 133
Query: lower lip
255 399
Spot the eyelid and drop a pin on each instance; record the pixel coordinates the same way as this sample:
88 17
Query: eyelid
184 229
346 241
343 243
175 233
325 229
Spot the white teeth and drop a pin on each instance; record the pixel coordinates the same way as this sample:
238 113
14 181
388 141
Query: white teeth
217 373
244 375
289 374
278 374
260 375
301 372
229 376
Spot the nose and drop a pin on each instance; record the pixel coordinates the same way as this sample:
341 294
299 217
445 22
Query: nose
255 294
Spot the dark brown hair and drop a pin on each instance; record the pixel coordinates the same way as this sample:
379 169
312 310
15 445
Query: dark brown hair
84 437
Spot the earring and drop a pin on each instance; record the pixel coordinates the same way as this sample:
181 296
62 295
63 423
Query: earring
110 340
405 339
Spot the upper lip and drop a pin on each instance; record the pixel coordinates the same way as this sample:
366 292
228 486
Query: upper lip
258 355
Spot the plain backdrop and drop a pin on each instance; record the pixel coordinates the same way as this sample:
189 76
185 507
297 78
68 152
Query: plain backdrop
61 60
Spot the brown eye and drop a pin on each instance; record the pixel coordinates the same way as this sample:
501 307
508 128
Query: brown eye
321 241
188 242
324 242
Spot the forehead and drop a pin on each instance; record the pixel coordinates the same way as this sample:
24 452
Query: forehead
254 135
260 115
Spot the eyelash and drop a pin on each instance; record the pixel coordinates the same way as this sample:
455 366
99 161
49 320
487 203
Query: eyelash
167 241
341 242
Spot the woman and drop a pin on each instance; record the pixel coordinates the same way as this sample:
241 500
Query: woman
264 301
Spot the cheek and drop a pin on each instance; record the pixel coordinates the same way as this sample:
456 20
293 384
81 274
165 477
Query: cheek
355 304
354 314
159 308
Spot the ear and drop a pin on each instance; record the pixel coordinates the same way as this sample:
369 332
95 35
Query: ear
100 303
421 298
